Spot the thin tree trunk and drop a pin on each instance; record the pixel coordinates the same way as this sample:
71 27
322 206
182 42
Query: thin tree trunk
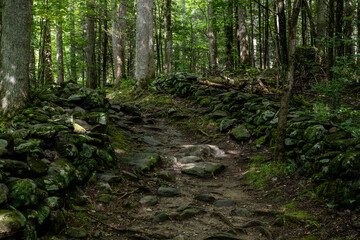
283 38
214 61
90 49
157 41
73 65
358 32
48 66
99 54
59 53
284 104
243 37
15 55
277 40
304 33
349 28
145 69
266 50
252 49
229 37
105 46
260 36
167 37
183 45
338 28
331 39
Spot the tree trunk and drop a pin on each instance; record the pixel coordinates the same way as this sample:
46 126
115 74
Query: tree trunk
145 69
167 37
277 39
321 26
15 55
242 34
90 49
229 37
99 45
266 50
338 28
252 49
304 30
349 28
183 45
284 104
73 61
260 36
118 39
46 69
157 41
59 53
105 46
283 38
213 51
331 39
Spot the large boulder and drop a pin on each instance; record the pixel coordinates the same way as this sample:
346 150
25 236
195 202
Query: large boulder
240 133
22 193
10 223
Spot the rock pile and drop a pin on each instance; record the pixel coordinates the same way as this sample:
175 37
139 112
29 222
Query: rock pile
329 156
54 145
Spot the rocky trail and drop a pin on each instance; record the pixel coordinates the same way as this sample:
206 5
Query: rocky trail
174 187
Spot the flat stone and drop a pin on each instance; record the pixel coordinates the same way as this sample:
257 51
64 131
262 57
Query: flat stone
4 192
109 177
205 198
189 159
226 124
242 212
143 161
189 213
168 191
202 169
224 203
166 175
149 201
160 217
152 141
240 133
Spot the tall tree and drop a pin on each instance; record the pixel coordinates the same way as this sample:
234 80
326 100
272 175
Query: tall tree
91 80
105 46
45 59
284 103
229 36
145 67
242 34
73 62
349 13
118 38
59 52
15 56
167 37
213 50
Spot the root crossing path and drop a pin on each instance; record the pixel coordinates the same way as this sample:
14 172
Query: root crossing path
173 187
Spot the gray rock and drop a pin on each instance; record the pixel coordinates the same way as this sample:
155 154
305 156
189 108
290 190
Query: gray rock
180 237
104 187
242 212
4 192
166 175
149 201
60 175
168 191
76 232
224 203
253 223
189 213
202 169
10 223
189 159
197 150
240 133
109 177
160 217
143 161
205 198
151 141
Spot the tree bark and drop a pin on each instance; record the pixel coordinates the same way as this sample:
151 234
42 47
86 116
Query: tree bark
73 62
266 45
46 69
331 56
118 39
214 61
145 69
15 55
229 36
91 80
283 39
260 37
284 104
59 53
183 45
338 28
349 28
167 37
242 34
105 47
321 26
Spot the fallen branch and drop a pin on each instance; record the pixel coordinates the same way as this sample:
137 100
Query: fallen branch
262 85
211 84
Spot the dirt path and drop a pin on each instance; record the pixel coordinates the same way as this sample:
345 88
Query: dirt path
212 202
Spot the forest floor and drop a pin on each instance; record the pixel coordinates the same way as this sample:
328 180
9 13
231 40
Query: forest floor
166 203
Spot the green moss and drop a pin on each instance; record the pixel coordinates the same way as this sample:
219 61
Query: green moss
301 215
120 139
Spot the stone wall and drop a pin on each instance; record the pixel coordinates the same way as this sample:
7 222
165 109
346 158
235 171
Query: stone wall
329 157
45 152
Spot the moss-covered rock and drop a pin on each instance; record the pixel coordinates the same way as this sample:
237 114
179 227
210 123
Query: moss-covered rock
10 223
15 167
337 136
226 124
67 150
36 164
26 146
22 193
60 175
240 133
314 133
4 192
46 131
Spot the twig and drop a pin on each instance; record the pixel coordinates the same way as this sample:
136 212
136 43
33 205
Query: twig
263 86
